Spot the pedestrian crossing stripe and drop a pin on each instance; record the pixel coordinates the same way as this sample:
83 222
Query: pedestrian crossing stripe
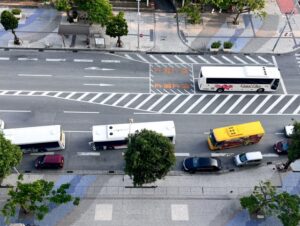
194 104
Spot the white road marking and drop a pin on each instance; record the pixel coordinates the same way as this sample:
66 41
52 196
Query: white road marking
264 60
273 105
70 95
81 112
143 59
208 104
239 59
31 93
182 154
144 101
17 93
179 212
108 98
99 69
194 104
120 99
33 75
114 77
55 60
128 57
181 60
167 59
56 95
4 58
110 61
297 110
222 104
182 103
221 154
15 111
155 59
203 59
227 59
84 60
248 104
4 92
251 59
279 133
95 97
261 104
98 84
42 153
169 103
132 100
217 60
25 58
157 102
45 93
88 153
191 59
288 104
235 104
82 96
270 155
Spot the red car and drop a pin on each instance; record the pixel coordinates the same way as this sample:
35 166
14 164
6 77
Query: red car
281 147
49 162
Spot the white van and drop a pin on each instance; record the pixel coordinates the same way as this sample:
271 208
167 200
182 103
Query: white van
249 158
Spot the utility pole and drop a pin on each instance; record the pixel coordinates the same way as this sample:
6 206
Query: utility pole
138 32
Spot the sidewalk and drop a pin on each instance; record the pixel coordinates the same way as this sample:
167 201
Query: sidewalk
158 32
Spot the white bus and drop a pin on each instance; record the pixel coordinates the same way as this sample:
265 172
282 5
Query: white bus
114 136
37 139
246 78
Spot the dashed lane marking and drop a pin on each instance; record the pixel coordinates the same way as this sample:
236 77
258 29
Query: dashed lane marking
88 153
4 58
81 112
182 154
84 60
55 60
33 75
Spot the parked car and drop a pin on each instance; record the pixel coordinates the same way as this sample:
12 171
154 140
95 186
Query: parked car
281 147
204 164
2 124
249 158
288 130
49 162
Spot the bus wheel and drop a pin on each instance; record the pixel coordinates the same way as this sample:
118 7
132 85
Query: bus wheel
220 90
260 90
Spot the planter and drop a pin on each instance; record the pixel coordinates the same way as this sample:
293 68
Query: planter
214 49
18 16
227 50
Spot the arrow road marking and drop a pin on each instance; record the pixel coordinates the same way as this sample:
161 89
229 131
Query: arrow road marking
100 84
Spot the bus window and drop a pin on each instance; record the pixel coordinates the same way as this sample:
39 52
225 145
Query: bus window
275 84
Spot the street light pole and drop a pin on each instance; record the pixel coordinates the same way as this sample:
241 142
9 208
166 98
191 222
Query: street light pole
138 32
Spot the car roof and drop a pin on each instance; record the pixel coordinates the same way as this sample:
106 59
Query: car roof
207 161
53 158
254 155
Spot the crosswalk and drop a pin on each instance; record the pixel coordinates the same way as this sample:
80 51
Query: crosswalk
197 104
225 59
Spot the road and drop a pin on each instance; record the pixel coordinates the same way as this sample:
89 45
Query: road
78 90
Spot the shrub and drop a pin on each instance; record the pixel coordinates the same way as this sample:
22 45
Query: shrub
216 45
227 45
16 11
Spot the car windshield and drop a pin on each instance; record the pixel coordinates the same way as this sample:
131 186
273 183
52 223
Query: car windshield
243 157
195 162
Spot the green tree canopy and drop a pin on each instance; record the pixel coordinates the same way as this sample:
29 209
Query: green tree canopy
149 157
10 22
63 5
294 147
117 27
35 198
265 200
10 156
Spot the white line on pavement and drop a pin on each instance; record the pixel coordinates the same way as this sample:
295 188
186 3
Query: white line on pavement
217 60
157 102
108 98
81 112
193 105
169 103
270 155
263 59
261 104
167 59
88 153
191 59
129 57
55 60
114 77
203 59
181 60
4 58
222 104
95 97
110 61
84 60
33 75
288 104
120 99
132 100
227 59
155 59
144 101
273 105
235 104
182 103
251 59
70 95
248 104
143 59
208 104
239 59
25 58
42 153
182 154
297 110
82 96
15 111
97 84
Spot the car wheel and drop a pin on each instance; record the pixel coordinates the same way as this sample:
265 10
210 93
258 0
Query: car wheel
220 90
260 90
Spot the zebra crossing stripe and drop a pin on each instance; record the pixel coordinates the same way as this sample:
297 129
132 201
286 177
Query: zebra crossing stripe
31 93
144 101
235 104
239 59
82 96
168 104
167 59
273 105
120 99
143 59
4 92
217 60
182 103
194 104
203 59
222 104
264 60
226 58
248 104
157 102
107 98
297 110
133 99
57 94
95 97
191 59
45 93
155 59
251 59
261 104
181 60
128 57
288 104
70 95
208 104
17 93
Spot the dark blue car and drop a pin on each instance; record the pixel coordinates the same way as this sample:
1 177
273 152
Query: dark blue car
202 164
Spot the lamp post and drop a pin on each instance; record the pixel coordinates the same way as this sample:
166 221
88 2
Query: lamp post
138 28
130 123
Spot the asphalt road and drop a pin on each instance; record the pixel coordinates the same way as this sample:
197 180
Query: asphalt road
48 88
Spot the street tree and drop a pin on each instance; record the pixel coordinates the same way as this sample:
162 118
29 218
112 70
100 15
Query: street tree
266 201
192 11
34 198
98 11
117 27
149 157
10 22
64 5
294 146
10 156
